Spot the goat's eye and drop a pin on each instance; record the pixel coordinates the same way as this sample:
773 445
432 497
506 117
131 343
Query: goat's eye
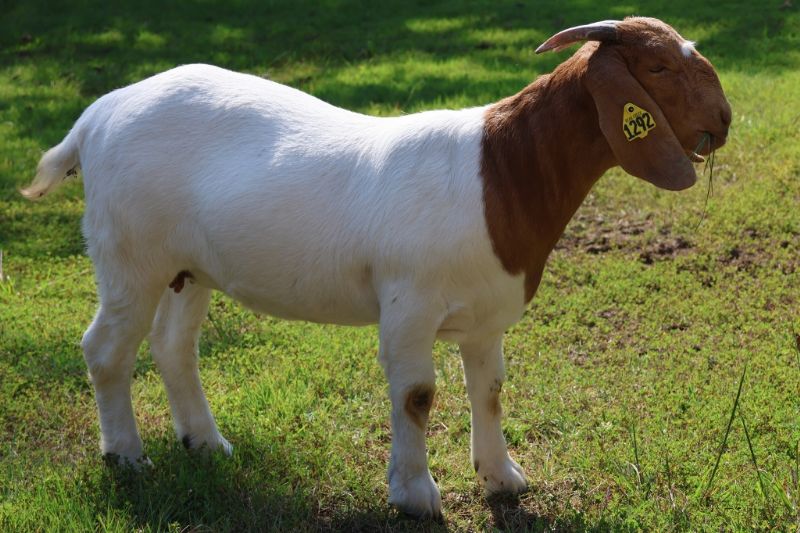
656 70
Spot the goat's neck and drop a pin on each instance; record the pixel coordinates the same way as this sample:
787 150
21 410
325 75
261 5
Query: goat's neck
542 152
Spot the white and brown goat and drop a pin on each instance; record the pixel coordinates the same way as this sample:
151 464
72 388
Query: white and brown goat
434 225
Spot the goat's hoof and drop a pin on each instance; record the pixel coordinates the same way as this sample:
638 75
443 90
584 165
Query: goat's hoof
212 443
124 451
135 463
503 476
417 497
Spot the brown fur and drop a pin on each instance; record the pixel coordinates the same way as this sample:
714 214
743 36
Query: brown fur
535 177
419 400
494 404
544 148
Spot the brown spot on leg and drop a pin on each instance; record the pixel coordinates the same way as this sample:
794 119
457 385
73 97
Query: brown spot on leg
494 404
494 398
419 400
476 465
177 283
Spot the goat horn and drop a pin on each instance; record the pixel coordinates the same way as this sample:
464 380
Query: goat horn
605 30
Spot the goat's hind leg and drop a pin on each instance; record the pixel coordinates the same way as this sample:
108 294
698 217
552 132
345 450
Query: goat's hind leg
174 344
110 345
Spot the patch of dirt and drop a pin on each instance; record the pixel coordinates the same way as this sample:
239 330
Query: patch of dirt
577 357
669 248
751 253
756 249
594 234
742 258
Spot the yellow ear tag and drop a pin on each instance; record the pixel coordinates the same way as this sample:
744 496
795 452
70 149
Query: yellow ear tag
636 122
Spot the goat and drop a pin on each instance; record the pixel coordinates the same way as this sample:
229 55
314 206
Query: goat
434 225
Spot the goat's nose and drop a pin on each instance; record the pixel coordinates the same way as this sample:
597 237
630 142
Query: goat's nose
725 115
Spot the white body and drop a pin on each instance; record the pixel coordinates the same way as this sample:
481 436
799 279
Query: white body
292 206
301 210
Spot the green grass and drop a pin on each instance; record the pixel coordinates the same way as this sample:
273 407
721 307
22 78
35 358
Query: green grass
622 376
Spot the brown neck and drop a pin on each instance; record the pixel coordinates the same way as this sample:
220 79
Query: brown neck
542 152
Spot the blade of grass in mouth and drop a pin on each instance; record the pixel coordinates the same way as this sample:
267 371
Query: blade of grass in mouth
710 166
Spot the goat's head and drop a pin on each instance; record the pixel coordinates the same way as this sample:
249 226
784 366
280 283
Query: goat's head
658 100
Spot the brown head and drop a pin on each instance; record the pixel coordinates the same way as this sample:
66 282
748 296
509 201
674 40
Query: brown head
638 95
658 100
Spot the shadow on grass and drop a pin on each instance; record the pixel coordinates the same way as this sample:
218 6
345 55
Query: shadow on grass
258 489
253 491
195 490
509 514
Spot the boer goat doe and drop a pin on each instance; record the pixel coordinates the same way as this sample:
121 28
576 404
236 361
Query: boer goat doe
434 225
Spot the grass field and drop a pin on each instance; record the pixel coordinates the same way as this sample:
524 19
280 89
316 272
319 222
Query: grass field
622 376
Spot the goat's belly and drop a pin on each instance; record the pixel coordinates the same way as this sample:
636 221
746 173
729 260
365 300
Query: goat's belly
292 298
341 312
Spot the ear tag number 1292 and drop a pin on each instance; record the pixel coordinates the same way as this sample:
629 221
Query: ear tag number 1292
636 122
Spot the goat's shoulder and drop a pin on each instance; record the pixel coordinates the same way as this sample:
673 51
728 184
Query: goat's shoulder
443 134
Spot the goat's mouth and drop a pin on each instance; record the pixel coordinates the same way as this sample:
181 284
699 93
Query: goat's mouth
694 157
707 144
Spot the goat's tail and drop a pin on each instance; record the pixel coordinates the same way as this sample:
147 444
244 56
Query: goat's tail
57 164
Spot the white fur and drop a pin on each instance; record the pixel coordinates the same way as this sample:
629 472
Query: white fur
298 209
687 47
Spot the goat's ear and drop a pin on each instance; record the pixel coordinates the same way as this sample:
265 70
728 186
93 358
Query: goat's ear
634 126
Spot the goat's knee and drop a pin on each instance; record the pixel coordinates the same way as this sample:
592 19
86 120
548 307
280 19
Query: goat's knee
418 403
106 357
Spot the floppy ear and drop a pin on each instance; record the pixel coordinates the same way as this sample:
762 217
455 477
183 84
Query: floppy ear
634 126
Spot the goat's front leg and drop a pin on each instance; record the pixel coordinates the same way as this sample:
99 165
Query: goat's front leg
484 372
406 345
